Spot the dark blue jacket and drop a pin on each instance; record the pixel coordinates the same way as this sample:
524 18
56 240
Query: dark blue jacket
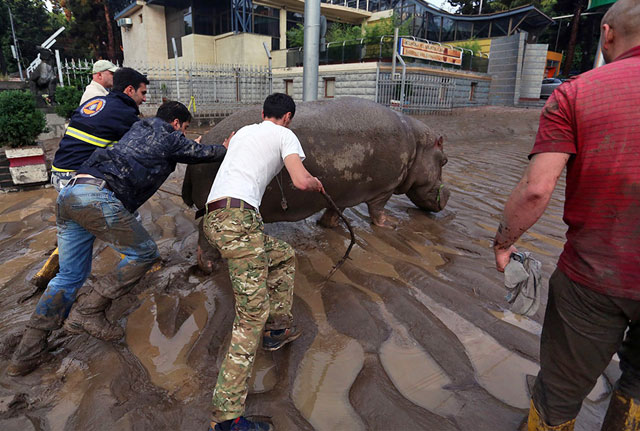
137 166
98 123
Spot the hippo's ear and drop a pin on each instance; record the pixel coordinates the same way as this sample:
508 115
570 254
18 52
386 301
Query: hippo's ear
439 142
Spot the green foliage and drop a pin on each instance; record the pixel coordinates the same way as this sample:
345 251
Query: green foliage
295 36
471 44
67 100
339 32
472 7
20 121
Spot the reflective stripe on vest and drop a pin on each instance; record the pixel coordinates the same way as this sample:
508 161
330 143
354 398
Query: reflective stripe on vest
89 139
53 168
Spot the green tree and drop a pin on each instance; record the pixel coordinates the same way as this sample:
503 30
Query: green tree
32 25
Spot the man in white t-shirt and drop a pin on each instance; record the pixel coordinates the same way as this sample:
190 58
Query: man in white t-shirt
261 268
102 81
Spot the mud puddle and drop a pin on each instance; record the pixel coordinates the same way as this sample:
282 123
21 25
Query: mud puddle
412 333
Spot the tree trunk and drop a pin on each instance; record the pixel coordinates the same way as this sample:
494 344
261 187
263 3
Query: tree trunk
3 64
571 49
111 46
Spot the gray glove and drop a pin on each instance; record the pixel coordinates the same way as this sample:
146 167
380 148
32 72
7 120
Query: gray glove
523 282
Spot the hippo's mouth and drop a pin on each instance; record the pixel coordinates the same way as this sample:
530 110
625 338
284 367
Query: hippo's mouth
432 199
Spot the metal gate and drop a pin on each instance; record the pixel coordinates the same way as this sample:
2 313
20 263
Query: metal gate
415 93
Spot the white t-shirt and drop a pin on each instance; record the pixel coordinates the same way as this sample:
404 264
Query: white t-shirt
256 154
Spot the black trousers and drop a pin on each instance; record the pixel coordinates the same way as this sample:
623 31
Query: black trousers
582 330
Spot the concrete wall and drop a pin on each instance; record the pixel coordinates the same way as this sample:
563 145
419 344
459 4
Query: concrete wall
198 48
357 80
505 63
242 48
146 40
532 74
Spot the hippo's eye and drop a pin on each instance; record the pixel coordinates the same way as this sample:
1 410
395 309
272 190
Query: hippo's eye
444 161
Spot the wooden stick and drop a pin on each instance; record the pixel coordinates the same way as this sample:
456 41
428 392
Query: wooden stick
334 207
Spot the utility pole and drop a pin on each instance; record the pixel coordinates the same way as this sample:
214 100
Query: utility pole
15 42
480 11
311 50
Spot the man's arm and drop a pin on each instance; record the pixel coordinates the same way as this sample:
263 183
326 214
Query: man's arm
302 179
527 202
188 151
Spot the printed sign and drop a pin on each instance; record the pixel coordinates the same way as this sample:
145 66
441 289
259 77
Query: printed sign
430 51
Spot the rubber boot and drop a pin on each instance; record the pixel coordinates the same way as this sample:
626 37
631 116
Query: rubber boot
47 272
623 414
535 422
31 352
88 316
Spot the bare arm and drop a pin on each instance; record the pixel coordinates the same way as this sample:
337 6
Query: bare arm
302 179
527 202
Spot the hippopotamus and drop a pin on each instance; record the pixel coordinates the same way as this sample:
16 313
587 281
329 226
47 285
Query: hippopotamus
359 149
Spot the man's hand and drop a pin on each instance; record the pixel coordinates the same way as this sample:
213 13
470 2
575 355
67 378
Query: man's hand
198 139
318 186
503 256
226 141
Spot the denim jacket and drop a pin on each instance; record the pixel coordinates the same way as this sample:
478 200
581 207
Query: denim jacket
141 161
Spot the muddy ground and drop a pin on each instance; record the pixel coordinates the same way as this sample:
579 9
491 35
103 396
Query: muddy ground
411 334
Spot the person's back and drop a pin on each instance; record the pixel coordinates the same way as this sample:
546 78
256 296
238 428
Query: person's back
256 156
596 117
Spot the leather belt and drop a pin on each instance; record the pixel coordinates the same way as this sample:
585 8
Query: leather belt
93 181
224 203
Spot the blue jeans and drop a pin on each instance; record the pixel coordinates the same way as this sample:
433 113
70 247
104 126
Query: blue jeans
86 212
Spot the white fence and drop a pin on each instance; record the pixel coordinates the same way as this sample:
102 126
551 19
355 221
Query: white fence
415 93
208 90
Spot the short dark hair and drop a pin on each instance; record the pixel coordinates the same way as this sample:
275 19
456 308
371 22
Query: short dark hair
171 110
126 76
278 104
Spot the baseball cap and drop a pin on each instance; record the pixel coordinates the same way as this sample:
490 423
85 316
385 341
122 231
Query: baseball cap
102 65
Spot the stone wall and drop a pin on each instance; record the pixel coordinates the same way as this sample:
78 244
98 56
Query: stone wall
532 74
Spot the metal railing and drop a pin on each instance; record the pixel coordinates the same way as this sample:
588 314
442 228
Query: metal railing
208 90
415 93
362 50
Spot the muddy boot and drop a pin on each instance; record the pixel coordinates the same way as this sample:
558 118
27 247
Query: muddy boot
535 422
47 272
88 316
275 339
31 352
623 414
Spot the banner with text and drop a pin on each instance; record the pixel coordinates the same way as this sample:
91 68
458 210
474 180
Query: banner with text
430 51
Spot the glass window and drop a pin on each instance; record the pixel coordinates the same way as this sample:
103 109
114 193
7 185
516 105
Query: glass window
433 27
447 29
329 87
499 27
188 21
481 29
463 31
288 87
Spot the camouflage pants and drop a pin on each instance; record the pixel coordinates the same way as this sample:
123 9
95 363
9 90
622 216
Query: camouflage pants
262 270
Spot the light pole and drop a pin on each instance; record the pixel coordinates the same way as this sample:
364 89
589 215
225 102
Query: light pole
15 42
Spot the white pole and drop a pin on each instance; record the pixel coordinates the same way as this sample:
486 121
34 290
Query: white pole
15 42
59 68
480 11
311 50
175 60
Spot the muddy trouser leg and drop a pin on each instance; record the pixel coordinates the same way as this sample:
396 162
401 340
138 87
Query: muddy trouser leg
239 237
75 245
51 266
282 268
582 330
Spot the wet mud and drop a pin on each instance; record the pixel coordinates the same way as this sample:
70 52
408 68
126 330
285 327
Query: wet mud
410 334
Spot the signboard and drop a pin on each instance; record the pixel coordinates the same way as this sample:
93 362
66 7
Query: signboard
597 3
430 51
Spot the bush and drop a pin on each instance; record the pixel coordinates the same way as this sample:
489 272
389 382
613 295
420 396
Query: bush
67 100
20 121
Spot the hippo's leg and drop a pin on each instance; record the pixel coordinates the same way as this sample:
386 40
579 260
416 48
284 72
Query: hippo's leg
330 218
376 210
209 259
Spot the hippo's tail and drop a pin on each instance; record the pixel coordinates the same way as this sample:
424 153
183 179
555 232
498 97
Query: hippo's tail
187 188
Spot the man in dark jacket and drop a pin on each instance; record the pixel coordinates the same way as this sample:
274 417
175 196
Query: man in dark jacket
98 203
97 123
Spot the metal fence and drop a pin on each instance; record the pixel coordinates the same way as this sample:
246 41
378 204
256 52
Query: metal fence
415 93
208 90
